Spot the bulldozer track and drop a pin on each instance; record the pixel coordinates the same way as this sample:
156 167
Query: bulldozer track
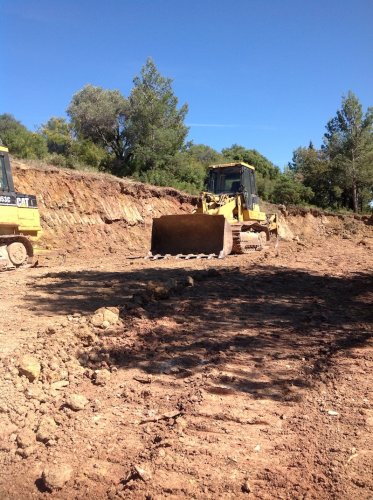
183 256
240 246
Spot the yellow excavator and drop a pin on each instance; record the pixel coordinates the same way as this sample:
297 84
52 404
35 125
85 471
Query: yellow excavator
227 219
19 220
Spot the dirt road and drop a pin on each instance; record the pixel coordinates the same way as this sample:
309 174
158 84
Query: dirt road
246 377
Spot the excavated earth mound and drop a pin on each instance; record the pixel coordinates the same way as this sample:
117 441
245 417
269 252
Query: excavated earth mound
96 213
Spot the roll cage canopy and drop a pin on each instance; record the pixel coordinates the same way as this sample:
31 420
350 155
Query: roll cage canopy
233 178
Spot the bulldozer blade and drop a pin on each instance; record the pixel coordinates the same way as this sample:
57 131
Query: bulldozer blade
191 234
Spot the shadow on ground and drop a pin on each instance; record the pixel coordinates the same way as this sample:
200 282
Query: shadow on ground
266 329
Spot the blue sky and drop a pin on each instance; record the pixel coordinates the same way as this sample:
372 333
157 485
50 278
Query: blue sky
266 74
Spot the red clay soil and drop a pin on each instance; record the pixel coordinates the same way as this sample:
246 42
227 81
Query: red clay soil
245 377
95 214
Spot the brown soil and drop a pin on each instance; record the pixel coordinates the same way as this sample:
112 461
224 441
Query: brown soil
248 376
95 214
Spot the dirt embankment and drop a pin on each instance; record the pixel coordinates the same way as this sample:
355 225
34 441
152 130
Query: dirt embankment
310 224
101 214
96 212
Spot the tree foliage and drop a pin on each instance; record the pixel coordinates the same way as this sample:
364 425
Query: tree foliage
203 154
182 173
66 149
20 141
287 190
156 130
141 133
251 156
100 116
311 167
340 174
348 144
57 132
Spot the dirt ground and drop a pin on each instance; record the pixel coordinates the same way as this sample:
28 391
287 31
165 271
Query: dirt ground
244 377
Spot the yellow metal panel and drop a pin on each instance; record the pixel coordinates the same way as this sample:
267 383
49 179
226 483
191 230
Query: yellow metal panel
254 215
226 210
26 214
257 215
14 220
8 215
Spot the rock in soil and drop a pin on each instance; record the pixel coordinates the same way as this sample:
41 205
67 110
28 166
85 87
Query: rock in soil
30 367
105 316
77 402
47 429
101 377
143 473
55 476
26 438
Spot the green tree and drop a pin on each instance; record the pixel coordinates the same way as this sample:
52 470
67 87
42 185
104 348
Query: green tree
20 141
156 131
312 168
254 158
66 149
288 190
203 154
86 152
348 144
100 116
182 173
58 134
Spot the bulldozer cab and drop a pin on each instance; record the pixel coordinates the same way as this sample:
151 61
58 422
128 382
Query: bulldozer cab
6 180
234 178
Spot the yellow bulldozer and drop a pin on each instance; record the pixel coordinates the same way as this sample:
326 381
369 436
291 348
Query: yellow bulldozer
227 219
19 220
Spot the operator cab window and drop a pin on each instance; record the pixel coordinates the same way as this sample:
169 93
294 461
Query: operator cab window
225 180
4 186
